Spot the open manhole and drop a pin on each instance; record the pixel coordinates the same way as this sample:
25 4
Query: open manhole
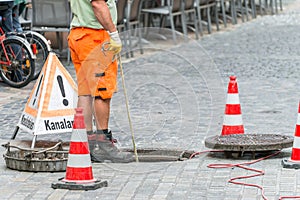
45 157
49 156
162 155
241 143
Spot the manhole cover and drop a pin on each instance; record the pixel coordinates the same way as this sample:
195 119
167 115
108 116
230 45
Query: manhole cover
249 142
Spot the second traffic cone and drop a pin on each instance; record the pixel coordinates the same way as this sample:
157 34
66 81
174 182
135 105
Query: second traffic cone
294 161
79 175
233 122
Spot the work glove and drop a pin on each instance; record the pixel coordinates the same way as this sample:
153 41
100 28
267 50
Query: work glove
115 43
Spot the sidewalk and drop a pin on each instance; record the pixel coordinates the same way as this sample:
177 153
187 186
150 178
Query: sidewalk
177 98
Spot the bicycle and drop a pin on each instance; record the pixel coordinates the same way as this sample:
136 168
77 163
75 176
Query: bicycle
16 60
42 49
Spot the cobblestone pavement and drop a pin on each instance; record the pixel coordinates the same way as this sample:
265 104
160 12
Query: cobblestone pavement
177 95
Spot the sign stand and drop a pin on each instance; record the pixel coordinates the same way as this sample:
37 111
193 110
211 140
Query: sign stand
52 102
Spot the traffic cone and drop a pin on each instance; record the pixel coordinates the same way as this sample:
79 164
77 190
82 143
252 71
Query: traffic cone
233 122
79 175
294 161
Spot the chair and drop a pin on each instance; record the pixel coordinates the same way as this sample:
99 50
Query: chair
207 6
253 8
189 8
241 9
171 9
51 16
276 5
232 11
133 20
25 16
245 7
265 5
121 10
122 23
129 17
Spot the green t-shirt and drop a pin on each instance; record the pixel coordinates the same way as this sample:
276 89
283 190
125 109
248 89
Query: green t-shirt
83 15
16 2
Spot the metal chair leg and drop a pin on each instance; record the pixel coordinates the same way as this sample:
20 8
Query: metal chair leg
184 24
253 7
233 11
140 39
208 20
173 28
223 13
196 26
216 17
199 20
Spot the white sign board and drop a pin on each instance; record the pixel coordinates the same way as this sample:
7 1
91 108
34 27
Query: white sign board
52 102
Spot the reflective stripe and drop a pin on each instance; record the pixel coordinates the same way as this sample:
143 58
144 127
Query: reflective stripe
79 175
297 130
75 160
79 135
233 99
233 109
79 148
298 119
296 143
100 74
295 155
236 129
232 120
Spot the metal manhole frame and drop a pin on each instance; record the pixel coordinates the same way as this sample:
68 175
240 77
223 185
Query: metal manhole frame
21 158
162 154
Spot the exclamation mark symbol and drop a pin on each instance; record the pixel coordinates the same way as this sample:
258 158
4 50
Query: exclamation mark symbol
61 86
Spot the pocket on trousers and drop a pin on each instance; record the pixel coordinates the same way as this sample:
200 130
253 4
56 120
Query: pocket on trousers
79 36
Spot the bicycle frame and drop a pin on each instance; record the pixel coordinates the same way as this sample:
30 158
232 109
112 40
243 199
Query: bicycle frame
11 51
8 62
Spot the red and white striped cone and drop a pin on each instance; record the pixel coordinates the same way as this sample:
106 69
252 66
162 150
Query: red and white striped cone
233 122
79 175
294 161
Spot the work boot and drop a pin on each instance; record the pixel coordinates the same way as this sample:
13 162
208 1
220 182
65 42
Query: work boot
108 135
106 150
92 142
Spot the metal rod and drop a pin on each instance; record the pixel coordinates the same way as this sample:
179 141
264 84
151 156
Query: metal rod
128 111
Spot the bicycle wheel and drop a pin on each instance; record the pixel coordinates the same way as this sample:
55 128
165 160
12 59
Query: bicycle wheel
16 61
42 50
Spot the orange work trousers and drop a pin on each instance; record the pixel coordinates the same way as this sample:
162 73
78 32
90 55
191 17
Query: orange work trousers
96 69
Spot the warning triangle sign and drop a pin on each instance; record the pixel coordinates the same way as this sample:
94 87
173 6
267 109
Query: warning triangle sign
51 105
